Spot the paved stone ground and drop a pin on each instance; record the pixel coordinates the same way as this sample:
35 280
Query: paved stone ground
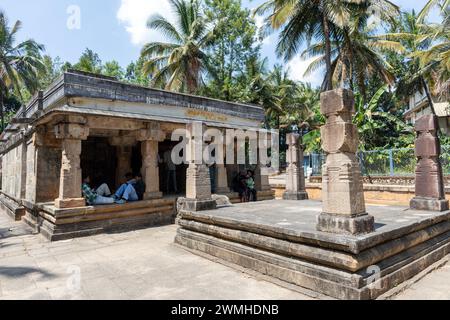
143 264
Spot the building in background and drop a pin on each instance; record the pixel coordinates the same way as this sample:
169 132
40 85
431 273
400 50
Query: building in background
419 106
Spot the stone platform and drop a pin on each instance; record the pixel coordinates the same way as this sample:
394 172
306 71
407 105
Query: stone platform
279 239
59 224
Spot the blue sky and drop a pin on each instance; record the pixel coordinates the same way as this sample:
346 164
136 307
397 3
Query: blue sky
115 29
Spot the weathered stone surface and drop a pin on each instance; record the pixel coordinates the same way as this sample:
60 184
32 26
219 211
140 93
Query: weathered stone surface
418 203
70 177
342 188
198 183
59 224
429 182
274 243
150 170
221 179
295 173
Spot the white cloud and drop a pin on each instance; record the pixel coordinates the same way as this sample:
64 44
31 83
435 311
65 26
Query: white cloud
298 66
133 14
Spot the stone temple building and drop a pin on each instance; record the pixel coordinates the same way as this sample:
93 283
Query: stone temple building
90 124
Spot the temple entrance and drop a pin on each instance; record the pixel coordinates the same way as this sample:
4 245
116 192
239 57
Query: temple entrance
98 160
168 170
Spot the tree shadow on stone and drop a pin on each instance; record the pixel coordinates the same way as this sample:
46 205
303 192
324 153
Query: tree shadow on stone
13 272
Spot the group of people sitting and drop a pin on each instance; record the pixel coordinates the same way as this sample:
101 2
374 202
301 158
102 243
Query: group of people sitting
244 184
132 190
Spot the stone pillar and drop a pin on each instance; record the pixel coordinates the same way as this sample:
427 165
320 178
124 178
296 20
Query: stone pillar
198 183
295 174
222 179
70 178
430 194
342 188
261 179
150 139
123 145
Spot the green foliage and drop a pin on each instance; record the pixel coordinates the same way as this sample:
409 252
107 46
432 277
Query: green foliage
231 49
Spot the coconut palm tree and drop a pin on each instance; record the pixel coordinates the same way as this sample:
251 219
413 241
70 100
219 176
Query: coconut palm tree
356 58
442 4
320 20
19 63
178 64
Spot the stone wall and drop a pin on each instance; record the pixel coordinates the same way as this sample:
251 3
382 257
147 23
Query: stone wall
13 183
385 180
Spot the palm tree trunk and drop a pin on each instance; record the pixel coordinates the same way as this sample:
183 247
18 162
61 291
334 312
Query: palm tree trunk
2 113
328 83
429 98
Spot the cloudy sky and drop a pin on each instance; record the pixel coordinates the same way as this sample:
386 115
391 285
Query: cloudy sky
115 29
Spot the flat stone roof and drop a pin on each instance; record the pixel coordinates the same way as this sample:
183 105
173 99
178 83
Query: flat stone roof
92 86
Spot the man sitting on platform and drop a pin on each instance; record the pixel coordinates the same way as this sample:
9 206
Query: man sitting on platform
139 186
101 195
127 192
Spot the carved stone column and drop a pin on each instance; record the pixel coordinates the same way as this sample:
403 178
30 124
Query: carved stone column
295 175
430 193
198 183
261 179
221 179
124 148
70 178
150 139
344 208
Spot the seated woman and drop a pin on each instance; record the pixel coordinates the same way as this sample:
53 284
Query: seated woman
127 192
101 195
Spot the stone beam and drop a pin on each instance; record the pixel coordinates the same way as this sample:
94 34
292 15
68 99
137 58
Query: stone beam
114 123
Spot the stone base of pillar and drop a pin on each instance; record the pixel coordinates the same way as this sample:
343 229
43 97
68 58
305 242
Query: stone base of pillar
290 195
70 203
222 190
359 224
152 195
429 204
199 205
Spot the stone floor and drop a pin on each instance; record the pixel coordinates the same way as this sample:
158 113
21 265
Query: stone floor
143 264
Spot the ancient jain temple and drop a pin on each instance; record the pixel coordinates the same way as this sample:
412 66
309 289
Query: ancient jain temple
92 125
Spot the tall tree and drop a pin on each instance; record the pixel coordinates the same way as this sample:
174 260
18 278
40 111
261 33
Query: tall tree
233 44
178 65
113 69
320 20
19 63
89 62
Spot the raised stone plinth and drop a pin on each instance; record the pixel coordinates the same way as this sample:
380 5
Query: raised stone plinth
276 239
295 174
430 193
342 188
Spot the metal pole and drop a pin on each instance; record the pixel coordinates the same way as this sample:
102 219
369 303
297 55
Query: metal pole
391 162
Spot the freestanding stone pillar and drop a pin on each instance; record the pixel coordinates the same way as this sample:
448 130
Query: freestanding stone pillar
430 194
150 139
221 179
342 189
198 183
295 179
70 178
